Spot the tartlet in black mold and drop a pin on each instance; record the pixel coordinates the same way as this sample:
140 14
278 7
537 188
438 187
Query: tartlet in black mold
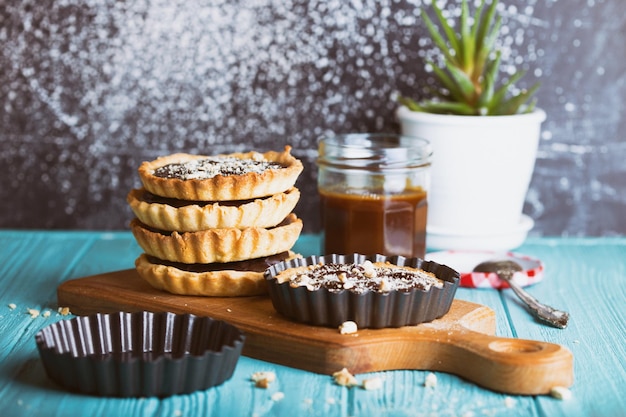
370 309
140 354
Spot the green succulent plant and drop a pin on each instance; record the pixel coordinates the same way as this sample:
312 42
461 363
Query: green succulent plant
469 77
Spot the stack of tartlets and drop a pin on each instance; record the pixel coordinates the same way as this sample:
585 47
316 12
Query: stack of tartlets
211 225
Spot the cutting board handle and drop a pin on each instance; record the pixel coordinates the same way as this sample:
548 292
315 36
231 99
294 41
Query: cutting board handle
516 366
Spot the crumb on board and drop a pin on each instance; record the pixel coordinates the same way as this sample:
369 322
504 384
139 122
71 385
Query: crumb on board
431 380
34 313
46 313
263 379
561 393
348 327
12 306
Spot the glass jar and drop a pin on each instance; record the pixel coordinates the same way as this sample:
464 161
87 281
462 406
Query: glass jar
373 194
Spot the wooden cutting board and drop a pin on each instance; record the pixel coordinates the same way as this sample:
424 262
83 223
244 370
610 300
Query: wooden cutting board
461 343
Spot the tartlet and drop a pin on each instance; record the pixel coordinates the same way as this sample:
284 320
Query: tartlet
192 216
235 176
218 245
234 279
379 305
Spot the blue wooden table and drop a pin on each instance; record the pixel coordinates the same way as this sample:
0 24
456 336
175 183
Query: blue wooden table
585 276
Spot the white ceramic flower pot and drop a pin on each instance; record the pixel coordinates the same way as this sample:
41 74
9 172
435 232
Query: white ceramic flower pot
481 170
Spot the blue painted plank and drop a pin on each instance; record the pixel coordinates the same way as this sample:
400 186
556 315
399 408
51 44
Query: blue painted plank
585 277
588 281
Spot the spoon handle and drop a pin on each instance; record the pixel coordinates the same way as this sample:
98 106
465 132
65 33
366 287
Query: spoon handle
552 316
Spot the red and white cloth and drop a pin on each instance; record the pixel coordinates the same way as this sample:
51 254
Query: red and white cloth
465 261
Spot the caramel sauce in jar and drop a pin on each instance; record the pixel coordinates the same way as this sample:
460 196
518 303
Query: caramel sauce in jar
373 193
375 223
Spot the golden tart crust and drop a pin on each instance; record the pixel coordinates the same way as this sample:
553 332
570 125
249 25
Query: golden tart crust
223 283
223 187
193 217
218 245
227 282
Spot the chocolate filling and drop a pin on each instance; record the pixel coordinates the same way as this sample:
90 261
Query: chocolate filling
150 198
253 265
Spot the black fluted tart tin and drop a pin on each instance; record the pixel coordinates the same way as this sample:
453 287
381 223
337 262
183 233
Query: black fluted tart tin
370 309
140 354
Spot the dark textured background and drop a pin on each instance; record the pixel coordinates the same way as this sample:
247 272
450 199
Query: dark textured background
89 89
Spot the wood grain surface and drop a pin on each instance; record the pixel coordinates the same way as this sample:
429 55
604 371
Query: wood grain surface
462 342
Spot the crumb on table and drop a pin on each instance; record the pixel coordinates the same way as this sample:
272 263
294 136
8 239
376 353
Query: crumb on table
278 395
431 380
64 311
263 379
561 393
372 383
345 378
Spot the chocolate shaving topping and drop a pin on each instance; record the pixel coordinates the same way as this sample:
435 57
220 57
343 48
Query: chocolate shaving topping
364 277
211 167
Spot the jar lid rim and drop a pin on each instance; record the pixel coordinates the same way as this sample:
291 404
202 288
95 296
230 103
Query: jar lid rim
384 150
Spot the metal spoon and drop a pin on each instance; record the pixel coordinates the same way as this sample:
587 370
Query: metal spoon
505 269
